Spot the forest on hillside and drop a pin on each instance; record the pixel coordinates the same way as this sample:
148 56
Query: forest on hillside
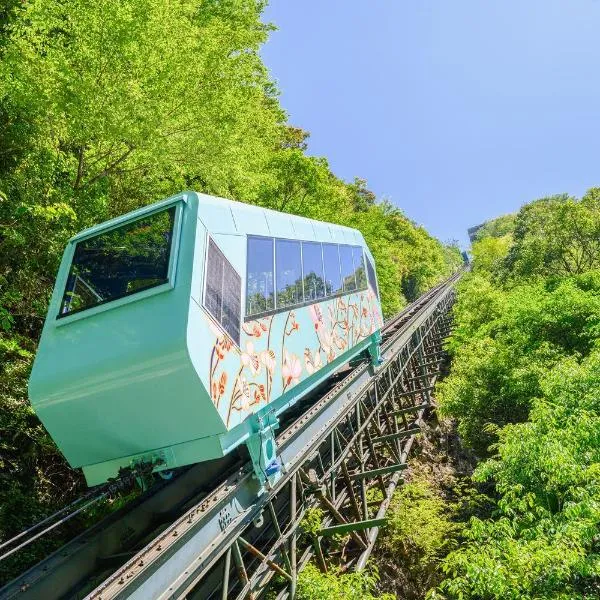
106 107
502 500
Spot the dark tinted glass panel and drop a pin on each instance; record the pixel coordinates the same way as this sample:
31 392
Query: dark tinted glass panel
372 278
223 291
232 302
359 268
213 296
347 266
331 260
312 264
288 268
259 290
120 262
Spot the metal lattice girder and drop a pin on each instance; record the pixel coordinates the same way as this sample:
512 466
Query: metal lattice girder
333 440
409 409
398 435
378 472
352 409
355 526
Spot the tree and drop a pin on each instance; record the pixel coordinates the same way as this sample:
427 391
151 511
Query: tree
558 235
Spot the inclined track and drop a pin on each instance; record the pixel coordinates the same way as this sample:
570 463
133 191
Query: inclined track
196 520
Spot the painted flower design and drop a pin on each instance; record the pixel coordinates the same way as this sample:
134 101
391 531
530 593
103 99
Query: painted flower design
250 359
244 393
218 388
267 358
253 329
316 315
259 394
291 369
312 363
339 341
323 333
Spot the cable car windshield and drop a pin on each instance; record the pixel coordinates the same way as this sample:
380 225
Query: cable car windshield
119 262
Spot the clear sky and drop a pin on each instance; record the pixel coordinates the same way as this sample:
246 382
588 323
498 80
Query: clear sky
455 110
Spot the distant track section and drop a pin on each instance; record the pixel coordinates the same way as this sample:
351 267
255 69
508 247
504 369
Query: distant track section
207 534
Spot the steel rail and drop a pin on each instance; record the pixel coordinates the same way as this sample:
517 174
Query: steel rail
62 574
172 564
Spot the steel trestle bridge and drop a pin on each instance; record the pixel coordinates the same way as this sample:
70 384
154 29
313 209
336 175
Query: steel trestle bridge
344 453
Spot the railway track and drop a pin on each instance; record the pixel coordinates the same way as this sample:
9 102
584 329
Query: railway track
207 534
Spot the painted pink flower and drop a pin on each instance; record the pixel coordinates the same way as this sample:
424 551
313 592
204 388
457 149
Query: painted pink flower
316 315
291 369
267 357
253 329
339 341
312 363
250 359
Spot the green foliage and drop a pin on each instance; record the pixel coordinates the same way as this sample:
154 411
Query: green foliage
312 522
543 542
526 377
34 479
504 341
106 107
489 253
420 529
559 235
314 585
496 228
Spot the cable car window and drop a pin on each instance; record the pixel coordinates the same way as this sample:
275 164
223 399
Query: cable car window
312 265
222 297
288 270
372 278
359 267
347 266
331 261
260 293
119 262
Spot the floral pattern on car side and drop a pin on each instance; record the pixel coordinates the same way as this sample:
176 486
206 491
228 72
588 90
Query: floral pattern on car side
280 351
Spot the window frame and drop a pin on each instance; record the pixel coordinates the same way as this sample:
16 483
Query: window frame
351 248
324 297
299 242
276 310
273 310
339 259
61 320
218 323
371 264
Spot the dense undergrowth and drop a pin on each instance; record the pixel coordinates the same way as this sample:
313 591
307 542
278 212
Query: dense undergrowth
101 113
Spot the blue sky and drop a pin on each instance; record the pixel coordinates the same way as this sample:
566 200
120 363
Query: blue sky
457 111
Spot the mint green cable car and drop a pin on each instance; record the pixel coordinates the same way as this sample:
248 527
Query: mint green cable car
181 330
